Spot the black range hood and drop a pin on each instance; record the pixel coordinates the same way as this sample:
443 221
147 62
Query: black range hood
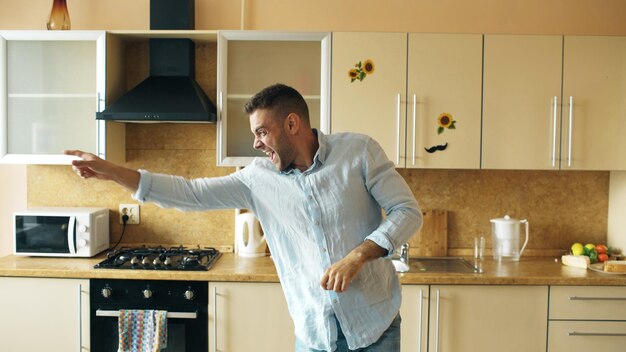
170 93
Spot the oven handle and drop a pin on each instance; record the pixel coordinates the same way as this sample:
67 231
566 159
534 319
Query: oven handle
170 315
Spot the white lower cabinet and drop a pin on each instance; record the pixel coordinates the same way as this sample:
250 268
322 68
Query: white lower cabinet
249 317
44 314
588 318
414 313
475 318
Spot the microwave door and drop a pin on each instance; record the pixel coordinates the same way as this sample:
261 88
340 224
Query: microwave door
43 234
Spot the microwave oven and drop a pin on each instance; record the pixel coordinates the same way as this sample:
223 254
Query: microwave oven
61 232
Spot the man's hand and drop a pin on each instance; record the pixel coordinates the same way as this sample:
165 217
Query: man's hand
339 275
91 166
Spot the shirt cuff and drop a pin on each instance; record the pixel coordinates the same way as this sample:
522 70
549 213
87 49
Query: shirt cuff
145 182
383 241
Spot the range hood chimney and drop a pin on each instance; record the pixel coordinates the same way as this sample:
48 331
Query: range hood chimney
170 93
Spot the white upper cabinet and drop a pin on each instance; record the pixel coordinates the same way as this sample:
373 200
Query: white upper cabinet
553 102
249 61
594 103
522 99
371 101
51 84
403 88
444 100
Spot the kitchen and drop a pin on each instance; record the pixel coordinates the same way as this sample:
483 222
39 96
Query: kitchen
471 196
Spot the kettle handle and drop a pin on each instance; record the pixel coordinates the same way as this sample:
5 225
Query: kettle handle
525 222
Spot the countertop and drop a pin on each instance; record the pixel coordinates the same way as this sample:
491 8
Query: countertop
230 267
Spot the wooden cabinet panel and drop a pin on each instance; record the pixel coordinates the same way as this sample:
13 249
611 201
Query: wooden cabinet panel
584 336
444 76
488 318
594 87
374 106
521 108
249 317
414 313
587 303
44 314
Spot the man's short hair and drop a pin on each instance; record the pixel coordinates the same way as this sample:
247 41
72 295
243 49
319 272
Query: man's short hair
280 98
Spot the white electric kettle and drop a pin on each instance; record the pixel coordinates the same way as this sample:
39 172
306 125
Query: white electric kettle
505 234
249 237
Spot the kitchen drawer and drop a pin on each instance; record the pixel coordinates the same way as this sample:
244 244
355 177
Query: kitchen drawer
587 303
584 336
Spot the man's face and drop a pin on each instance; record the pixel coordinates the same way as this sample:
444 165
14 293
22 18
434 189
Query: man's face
270 138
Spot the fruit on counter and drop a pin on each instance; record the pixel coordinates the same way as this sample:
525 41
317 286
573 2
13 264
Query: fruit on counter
578 261
603 257
596 253
601 249
577 249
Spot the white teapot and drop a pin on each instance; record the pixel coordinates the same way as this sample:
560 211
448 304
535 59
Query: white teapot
249 237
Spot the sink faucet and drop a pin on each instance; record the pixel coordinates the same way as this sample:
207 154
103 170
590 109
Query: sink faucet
404 253
401 260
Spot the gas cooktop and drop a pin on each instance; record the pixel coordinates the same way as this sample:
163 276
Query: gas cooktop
160 258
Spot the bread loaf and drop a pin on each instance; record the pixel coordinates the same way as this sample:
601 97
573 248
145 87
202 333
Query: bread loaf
615 266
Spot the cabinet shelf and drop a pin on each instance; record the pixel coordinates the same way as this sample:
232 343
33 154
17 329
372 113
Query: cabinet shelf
53 95
198 36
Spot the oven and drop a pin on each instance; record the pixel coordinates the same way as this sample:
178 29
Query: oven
186 303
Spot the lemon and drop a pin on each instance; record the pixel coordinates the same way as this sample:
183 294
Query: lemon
590 246
577 249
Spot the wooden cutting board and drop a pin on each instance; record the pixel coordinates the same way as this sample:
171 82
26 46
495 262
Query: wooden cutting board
432 239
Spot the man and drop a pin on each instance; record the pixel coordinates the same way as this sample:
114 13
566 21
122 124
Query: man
319 201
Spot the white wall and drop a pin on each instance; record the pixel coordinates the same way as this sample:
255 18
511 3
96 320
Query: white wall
12 198
617 210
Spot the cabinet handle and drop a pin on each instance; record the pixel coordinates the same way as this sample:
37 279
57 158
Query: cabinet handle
583 298
414 124
419 346
398 130
576 333
571 121
220 104
437 322
554 132
80 317
214 318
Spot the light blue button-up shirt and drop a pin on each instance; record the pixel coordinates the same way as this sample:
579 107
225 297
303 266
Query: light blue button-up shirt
312 219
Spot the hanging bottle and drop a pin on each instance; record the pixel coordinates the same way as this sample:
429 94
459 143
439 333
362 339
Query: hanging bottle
59 16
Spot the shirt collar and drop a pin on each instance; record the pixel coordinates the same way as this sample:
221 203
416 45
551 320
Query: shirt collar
318 159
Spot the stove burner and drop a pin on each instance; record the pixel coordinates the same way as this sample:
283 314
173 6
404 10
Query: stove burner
160 258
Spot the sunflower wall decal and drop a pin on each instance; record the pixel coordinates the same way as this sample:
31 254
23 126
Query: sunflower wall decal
445 121
361 70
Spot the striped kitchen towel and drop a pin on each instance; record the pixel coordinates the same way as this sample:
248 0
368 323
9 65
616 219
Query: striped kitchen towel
142 330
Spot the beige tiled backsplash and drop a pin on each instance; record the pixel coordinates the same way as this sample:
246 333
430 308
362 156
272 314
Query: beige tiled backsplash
561 206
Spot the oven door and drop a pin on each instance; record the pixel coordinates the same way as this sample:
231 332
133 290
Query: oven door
184 330
187 322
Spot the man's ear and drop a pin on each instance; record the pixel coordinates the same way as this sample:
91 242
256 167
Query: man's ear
292 123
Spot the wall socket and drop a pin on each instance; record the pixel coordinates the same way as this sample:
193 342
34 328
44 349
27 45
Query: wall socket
132 210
